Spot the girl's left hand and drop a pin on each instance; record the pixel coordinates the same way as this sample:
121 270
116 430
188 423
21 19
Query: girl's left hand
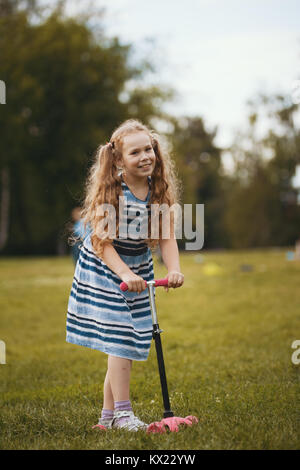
175 279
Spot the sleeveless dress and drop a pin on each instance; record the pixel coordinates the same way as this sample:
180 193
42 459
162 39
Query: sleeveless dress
101 316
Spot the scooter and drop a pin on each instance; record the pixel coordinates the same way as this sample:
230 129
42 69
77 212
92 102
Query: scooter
169 421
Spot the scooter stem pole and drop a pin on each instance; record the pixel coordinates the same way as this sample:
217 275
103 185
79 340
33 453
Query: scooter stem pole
158 346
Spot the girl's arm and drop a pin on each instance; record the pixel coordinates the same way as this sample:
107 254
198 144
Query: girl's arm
170 257
116 264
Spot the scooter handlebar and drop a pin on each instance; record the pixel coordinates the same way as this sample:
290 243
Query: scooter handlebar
158 282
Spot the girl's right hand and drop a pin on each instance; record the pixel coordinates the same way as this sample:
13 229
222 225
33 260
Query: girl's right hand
134 282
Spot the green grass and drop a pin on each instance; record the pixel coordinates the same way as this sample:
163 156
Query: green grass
227 346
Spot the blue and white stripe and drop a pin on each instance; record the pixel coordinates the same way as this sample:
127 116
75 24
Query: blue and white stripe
100 315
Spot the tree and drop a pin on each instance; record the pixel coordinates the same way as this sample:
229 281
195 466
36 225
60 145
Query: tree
262 204
198 160
64 89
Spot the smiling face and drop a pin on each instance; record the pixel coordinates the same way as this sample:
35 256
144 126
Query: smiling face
138 156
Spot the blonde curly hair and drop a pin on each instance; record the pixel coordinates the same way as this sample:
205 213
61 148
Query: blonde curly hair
103 184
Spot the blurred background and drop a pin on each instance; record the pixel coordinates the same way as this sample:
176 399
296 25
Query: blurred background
219 81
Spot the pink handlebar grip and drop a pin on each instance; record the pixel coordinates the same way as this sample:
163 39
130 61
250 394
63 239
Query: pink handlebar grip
124 286
158 282
162 282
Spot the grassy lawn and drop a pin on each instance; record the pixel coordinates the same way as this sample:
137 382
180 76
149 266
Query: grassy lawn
227 346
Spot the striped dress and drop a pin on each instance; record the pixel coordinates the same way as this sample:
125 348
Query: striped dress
101 316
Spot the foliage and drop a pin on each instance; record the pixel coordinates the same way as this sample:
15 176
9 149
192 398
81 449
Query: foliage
199 166
262 203
68 86
64 87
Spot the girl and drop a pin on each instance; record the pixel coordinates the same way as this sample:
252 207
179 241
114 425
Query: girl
100 315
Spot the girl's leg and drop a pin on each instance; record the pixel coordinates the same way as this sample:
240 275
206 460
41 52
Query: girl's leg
115 389
108 399
118 375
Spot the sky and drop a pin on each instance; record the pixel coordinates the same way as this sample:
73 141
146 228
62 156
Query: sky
217 54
